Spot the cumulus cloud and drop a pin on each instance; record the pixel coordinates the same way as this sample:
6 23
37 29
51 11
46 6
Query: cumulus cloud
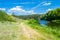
46 3
17 8
19 11
2 9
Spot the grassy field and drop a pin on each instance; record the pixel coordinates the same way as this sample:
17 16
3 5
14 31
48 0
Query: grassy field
12 31
7 30
53 34
17 31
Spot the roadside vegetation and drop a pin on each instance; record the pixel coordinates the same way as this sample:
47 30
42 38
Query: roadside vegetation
51 29
51 33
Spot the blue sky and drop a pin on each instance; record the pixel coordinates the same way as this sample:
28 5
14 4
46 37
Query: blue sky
28 6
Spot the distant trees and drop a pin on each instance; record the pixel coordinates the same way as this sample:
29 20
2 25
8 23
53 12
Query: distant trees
27 17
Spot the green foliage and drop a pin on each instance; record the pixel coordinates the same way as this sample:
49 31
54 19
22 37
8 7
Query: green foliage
32 21
49 32
52 15
5 17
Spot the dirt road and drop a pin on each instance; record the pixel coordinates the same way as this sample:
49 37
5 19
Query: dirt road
30 34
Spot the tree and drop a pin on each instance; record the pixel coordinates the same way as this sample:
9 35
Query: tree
52 15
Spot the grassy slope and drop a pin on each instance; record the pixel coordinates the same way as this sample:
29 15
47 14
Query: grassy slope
9 29
5 17
53 34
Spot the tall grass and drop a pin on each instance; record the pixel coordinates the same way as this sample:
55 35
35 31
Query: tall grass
5 17
49 32
8 30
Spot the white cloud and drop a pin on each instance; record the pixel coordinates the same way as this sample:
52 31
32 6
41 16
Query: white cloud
49 9
2 9
17 8
46 3
19 11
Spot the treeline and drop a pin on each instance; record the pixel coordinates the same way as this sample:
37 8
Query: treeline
27 17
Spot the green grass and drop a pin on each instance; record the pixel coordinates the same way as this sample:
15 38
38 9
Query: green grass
49 32
8 30
11 31
5 17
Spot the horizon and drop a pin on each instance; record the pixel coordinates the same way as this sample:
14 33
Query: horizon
28 7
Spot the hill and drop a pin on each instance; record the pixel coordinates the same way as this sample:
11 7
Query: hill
5 17
27 17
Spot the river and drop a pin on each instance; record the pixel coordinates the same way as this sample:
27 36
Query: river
47 23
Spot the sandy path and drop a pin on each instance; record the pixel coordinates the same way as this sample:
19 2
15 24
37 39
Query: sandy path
31 34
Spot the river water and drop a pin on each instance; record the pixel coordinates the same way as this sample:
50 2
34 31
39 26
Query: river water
43 22
47 23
